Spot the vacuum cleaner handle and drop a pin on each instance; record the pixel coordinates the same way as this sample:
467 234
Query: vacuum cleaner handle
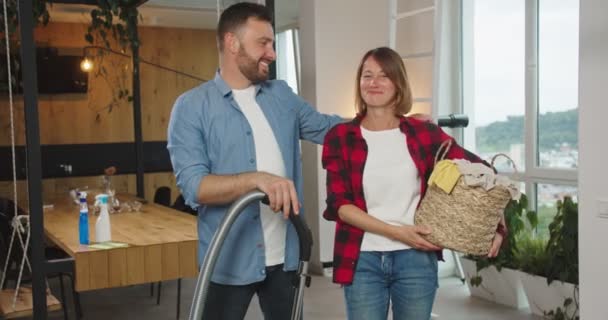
302 278
304 233
206 269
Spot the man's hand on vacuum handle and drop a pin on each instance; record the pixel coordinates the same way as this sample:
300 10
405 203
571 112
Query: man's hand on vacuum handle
223 189
281 192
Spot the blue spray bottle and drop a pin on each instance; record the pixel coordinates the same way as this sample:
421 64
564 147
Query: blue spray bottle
83 220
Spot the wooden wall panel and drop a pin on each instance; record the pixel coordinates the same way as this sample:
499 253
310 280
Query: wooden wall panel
74 118
161 88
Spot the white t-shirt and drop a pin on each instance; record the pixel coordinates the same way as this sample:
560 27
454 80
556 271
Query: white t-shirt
391 185
269 159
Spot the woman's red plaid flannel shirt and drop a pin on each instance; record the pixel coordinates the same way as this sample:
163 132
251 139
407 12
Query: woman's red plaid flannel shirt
344 155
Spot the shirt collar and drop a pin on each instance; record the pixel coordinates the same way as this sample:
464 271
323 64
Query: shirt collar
404 122
225 89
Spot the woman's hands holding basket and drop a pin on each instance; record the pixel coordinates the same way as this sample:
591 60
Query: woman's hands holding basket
412 236
497 242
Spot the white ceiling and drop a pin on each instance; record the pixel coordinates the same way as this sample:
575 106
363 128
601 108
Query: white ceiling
196 14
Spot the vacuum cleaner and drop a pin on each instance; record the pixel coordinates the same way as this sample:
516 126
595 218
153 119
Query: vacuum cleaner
301 279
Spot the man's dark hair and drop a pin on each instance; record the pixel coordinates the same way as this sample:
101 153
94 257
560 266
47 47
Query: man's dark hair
237 15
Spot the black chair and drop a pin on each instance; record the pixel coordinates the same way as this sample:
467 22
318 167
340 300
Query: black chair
180 204
7 213
162 196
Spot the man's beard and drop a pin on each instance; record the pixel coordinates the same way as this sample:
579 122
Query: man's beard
249 67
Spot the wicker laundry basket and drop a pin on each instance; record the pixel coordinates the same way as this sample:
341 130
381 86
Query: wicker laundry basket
466 219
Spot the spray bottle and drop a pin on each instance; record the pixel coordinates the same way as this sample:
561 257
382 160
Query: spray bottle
83 220
103 230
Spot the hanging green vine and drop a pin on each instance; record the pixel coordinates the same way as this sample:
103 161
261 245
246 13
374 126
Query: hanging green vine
114 19
41 18
103 23
40 13
110 19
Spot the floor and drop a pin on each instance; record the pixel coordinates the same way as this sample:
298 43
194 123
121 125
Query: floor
323 300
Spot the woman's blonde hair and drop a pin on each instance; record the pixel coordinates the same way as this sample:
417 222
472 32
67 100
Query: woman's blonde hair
393 67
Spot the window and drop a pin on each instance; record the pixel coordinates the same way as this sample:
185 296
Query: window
287 61
519 88
497 73
558 84
547 196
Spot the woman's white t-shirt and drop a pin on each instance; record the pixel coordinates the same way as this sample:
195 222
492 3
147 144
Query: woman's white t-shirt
391 185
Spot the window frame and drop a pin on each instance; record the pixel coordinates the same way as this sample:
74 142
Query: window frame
533 174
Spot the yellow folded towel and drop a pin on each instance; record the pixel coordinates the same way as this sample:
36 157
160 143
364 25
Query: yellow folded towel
445 175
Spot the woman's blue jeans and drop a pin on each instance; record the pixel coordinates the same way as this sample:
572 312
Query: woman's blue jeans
405 278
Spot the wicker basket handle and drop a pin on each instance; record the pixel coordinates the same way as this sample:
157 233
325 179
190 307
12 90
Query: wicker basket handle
508 158
443 150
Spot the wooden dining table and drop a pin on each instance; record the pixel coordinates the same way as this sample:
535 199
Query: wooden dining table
160 244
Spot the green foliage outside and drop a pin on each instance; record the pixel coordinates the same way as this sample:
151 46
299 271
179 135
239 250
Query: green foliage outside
556 128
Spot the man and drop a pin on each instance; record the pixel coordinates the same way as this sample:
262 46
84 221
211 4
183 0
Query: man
234 134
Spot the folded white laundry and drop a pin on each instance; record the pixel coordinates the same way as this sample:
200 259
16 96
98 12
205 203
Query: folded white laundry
480 175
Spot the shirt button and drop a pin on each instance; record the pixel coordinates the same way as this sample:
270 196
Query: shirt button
248 132
263 271
251 161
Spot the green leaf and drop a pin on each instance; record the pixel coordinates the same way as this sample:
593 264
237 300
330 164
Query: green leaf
532 219
89 38
476 281
523 201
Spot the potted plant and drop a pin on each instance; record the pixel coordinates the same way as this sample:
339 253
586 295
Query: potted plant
550 277
497 279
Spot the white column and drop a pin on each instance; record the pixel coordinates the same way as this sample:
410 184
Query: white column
593 115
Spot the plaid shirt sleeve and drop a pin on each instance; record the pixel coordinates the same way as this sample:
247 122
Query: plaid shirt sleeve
339 191
343 178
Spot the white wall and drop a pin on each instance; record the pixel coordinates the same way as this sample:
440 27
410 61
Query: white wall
413 24
593 114
334 35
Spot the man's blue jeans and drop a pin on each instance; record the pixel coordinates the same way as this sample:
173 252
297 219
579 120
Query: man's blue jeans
275 295
406 278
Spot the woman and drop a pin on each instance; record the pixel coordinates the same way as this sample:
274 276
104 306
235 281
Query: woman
377 167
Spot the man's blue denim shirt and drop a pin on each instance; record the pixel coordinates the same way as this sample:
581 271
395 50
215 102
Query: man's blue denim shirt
208 134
